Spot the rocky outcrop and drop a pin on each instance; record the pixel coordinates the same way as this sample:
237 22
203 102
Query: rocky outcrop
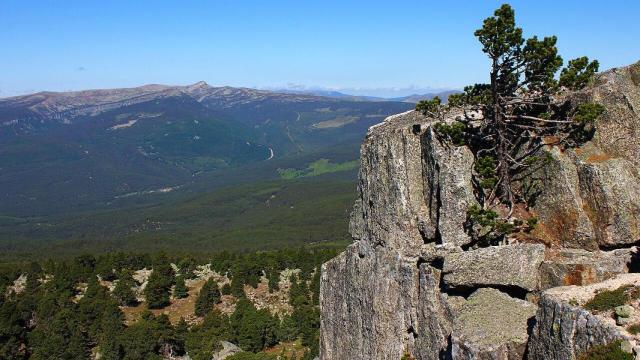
384 299
401 286
564 329
411 187
505 266
491 325
227 350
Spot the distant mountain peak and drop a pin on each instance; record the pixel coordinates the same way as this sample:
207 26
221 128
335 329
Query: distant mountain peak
199 84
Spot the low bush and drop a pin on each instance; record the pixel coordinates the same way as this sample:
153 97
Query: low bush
608 299
611 351
455 132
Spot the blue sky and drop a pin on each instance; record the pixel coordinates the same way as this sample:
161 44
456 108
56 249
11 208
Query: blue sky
366 47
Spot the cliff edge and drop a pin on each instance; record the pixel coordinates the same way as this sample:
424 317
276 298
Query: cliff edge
413 282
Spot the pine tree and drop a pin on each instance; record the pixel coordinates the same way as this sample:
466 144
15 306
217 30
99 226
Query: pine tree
123 291
204 339
209 296
159 286
180 290
252 329
181 332
274 279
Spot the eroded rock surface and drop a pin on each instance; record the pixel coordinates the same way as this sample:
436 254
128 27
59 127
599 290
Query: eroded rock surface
492 325
227 350
372 295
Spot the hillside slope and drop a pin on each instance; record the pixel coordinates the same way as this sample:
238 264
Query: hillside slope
75 151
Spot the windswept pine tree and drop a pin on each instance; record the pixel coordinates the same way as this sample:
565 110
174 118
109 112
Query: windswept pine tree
509 121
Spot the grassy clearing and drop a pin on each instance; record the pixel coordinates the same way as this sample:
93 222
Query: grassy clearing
316 168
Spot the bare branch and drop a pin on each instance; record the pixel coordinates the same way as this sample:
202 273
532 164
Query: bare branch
533 118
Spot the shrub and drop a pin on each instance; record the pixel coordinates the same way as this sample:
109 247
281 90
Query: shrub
226 289
588 112
634 329
429 106
611 351
608 299
486 168
453 132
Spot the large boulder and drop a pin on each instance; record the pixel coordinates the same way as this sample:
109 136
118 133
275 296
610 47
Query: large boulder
505 266
227 350
491 325
581 267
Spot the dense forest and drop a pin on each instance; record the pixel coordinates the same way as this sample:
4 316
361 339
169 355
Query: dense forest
157 306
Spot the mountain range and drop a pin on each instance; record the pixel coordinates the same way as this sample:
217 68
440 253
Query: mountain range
65 157
413 98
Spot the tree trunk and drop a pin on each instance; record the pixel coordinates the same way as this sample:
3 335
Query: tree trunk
504 191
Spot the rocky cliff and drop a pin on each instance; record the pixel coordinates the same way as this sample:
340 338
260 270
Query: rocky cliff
413 283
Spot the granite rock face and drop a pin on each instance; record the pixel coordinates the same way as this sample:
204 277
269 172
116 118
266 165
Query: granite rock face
401 286
563 331
378 299
372 295
449 191
590 196
411 187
